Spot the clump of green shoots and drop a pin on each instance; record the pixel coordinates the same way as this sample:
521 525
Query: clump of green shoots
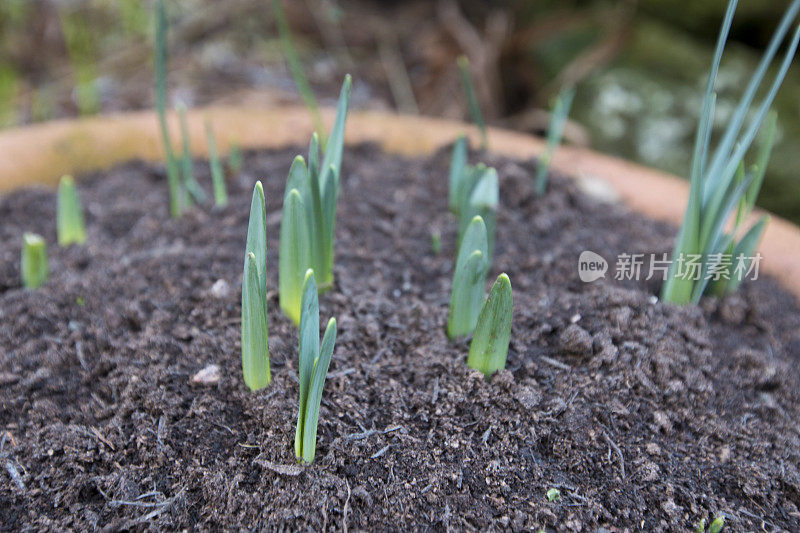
217 174
488 349
718 182
255 349
558 120
472 99
33 261
473 190
309 214
296 68
314 363
70 226
469 279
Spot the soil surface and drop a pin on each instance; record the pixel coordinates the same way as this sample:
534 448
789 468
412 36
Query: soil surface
645 416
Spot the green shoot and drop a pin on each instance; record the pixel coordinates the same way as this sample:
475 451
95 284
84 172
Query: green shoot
235 159
553 495
313 366
187 167
469 279
318 188
472 100
718 182
177 194
217 174
458 172
482 200
296 68
33 263
69 215
295 250
489 347
716 525
255 349
558 120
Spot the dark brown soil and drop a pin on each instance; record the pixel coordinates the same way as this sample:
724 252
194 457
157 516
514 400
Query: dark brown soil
645 416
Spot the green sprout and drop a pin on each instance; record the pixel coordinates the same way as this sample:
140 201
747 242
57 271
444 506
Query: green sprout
716 525
469 279
558 120
472 100
473 190
717 182
296 68
482 201
553 495
313 208
187 167
313 365
294 257
178 200
255 349
217 174
489 347
235 159
69 215
33 263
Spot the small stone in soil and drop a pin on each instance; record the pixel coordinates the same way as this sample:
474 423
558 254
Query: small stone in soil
207 376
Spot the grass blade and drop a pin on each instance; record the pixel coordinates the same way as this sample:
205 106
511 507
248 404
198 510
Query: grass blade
489 347
296 68
257 236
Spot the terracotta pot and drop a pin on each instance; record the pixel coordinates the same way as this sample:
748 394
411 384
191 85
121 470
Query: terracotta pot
41 153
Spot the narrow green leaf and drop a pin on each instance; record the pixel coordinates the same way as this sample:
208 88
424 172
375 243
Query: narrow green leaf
296 68
321 366
472 100
558 120
257 236
294 257
217 174
329 228
187 167
469 178
308 353
762 160
33 261
716 525
469 278
332 162
458 166
313 155
69 215
489 347
255 349
178 201
746 247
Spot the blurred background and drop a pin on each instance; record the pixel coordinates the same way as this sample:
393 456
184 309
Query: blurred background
639 65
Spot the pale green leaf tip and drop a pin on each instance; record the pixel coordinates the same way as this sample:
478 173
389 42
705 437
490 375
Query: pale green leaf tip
32 239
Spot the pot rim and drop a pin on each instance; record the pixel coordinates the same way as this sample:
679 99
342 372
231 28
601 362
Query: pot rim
42 153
